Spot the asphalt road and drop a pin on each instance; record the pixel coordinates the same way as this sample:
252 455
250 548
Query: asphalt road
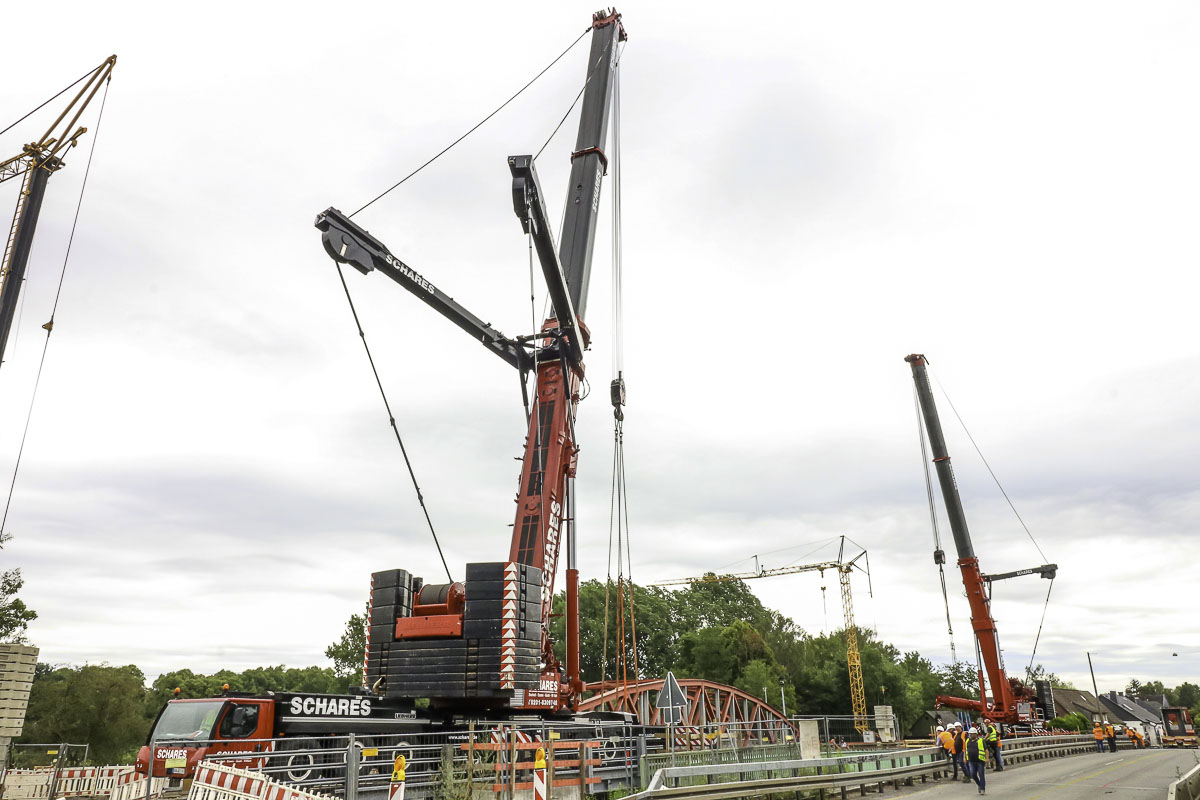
1132 774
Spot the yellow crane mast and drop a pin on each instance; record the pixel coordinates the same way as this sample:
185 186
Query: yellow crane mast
858 695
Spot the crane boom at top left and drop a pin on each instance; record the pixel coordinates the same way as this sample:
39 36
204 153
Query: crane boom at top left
36 162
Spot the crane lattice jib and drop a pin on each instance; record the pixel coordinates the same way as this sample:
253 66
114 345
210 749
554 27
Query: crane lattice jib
858 696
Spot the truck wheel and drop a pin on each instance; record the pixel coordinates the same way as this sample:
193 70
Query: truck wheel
294 762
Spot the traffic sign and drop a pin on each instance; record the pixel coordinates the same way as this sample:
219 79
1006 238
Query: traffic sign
671 695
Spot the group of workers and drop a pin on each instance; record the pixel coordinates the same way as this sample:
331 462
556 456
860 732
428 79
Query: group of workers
1103 732
971 749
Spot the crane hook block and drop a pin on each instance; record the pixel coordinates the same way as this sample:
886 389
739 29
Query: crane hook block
616 392
939 557
342 240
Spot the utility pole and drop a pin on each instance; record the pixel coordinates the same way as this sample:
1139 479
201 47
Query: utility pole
1094 689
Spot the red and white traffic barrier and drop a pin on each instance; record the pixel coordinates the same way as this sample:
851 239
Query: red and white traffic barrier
28 784
396 787
215 781
132 786
539 775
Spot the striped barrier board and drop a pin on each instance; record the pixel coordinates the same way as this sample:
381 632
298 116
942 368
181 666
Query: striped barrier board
215 781
28 784
132 786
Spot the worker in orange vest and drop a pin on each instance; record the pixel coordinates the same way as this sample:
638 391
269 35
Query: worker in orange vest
1111 735
1133 736
1098 735
960 751
945 741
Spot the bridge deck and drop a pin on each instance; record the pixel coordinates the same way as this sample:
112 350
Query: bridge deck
1124 775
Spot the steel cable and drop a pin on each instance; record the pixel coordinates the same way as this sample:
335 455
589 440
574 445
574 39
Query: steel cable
479 124
989 469
48 102
937 539
392 422
49 326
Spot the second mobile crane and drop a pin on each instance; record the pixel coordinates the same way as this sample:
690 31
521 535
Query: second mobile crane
1012 702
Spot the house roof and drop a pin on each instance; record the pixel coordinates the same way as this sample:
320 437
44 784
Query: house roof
1067 701
1126 709
1153 704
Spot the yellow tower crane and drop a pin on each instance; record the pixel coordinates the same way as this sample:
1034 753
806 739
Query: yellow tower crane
843 567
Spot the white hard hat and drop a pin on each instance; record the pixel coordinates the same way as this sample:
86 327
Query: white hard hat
973 730
940 728
958 724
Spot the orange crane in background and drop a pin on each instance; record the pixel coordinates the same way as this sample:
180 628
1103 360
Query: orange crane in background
843 567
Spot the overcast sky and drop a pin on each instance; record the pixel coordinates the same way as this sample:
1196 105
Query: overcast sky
809 195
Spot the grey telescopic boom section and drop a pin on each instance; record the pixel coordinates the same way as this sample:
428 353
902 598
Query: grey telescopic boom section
39 174
941 459
588 165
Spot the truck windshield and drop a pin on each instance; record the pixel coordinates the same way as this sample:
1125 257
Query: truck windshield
189 720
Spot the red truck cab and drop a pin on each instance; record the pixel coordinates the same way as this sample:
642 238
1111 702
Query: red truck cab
188 731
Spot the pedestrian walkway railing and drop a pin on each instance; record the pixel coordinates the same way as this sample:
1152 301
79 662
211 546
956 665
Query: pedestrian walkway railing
870 771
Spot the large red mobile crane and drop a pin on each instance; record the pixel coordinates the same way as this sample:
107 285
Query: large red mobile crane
479 648
1012 702
484 642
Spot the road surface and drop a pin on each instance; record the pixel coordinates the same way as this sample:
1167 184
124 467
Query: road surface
1124 775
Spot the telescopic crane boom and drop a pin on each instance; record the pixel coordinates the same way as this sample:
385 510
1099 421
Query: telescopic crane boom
1011 701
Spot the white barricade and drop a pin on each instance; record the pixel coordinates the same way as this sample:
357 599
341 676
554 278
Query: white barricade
108 778
218 782
132 786
28 784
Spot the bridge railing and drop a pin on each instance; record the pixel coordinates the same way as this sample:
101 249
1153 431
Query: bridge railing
870 769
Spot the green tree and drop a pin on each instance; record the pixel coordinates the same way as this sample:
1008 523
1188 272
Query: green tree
1187 694
1071 722
706 654
1040 673
652 630
15 616
98 705
350 651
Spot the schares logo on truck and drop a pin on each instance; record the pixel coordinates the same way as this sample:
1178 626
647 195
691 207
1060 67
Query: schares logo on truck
331 706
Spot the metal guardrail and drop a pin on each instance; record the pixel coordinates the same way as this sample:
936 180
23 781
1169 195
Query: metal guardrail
1187 787
859 771
597 757
755 779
